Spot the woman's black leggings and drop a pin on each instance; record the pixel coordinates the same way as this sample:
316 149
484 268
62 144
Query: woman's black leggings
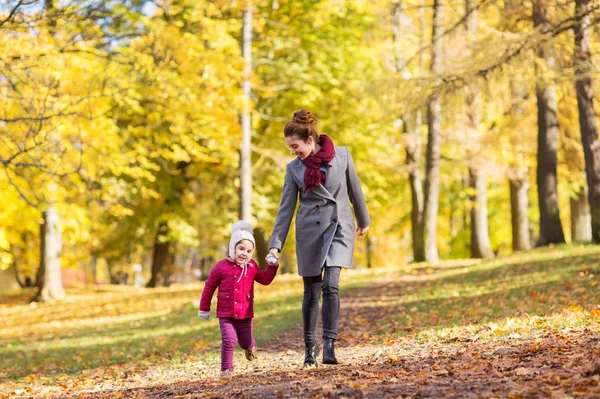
328 282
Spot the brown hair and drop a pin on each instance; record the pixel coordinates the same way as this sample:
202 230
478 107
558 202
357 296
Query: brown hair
303 125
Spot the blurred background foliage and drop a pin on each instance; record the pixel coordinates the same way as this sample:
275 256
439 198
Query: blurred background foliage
124 116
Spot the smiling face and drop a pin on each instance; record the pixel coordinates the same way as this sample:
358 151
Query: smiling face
300 148
243 251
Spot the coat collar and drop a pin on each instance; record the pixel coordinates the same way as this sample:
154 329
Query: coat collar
298 169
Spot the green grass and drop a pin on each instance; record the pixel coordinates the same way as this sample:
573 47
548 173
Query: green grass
128 327
117 328
542 284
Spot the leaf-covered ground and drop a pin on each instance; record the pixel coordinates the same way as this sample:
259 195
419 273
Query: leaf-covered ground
526 326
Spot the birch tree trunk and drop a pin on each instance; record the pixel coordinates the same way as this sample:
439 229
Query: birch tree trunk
413 142
480 235
519 203
551 231
581 226
245 149
49 277
587 115
434 116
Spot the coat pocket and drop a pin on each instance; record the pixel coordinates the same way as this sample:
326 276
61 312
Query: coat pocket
222 301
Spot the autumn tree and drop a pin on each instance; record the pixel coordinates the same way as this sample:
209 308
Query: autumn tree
411 124
551 231
480 237
246 116
587 114
434 116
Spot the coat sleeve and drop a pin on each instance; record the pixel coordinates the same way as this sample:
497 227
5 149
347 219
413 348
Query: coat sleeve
265 277
289 199
211 284
356 194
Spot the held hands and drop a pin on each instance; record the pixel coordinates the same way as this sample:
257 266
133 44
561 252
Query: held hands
272 257
272 260
361 231
204 315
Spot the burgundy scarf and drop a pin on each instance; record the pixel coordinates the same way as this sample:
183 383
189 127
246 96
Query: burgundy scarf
313 176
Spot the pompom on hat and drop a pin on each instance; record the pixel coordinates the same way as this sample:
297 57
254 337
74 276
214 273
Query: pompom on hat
241 230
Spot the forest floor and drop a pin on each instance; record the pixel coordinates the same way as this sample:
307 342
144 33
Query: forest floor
527 326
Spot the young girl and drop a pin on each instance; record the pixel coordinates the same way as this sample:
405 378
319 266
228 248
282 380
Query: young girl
235 276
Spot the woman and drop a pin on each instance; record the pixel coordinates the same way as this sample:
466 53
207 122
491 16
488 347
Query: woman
324 178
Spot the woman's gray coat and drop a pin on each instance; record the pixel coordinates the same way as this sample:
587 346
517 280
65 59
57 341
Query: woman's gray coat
325 226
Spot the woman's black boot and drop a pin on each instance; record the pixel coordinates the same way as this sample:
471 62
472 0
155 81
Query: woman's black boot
329 352
311 354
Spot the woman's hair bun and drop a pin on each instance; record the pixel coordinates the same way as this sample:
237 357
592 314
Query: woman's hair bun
304 116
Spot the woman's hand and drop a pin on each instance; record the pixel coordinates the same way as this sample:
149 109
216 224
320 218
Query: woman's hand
361 231
274 252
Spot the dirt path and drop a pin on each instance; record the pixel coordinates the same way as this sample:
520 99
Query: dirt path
550 364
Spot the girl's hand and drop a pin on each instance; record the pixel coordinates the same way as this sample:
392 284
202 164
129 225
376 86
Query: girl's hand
361 231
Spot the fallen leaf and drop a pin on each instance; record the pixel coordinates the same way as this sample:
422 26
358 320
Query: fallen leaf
523 371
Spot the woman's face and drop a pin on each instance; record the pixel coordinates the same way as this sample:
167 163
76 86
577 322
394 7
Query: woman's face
300 148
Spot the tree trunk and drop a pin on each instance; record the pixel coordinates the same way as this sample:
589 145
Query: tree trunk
160 257
480 234
519 200
50 285
245 150
9 278
581 226
206 263
13 270
413 142
551 231
369 250
18 279
416 190
587 114
432 167
262 247
94 269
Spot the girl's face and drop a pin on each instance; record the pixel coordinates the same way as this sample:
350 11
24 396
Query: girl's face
300 148
243 251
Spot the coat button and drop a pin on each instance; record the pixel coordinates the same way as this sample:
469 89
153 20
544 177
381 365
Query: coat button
318 222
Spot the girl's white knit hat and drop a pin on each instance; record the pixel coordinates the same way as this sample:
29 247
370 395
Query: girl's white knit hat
241 230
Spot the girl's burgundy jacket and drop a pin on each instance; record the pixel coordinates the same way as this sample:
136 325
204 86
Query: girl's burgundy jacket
235 298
